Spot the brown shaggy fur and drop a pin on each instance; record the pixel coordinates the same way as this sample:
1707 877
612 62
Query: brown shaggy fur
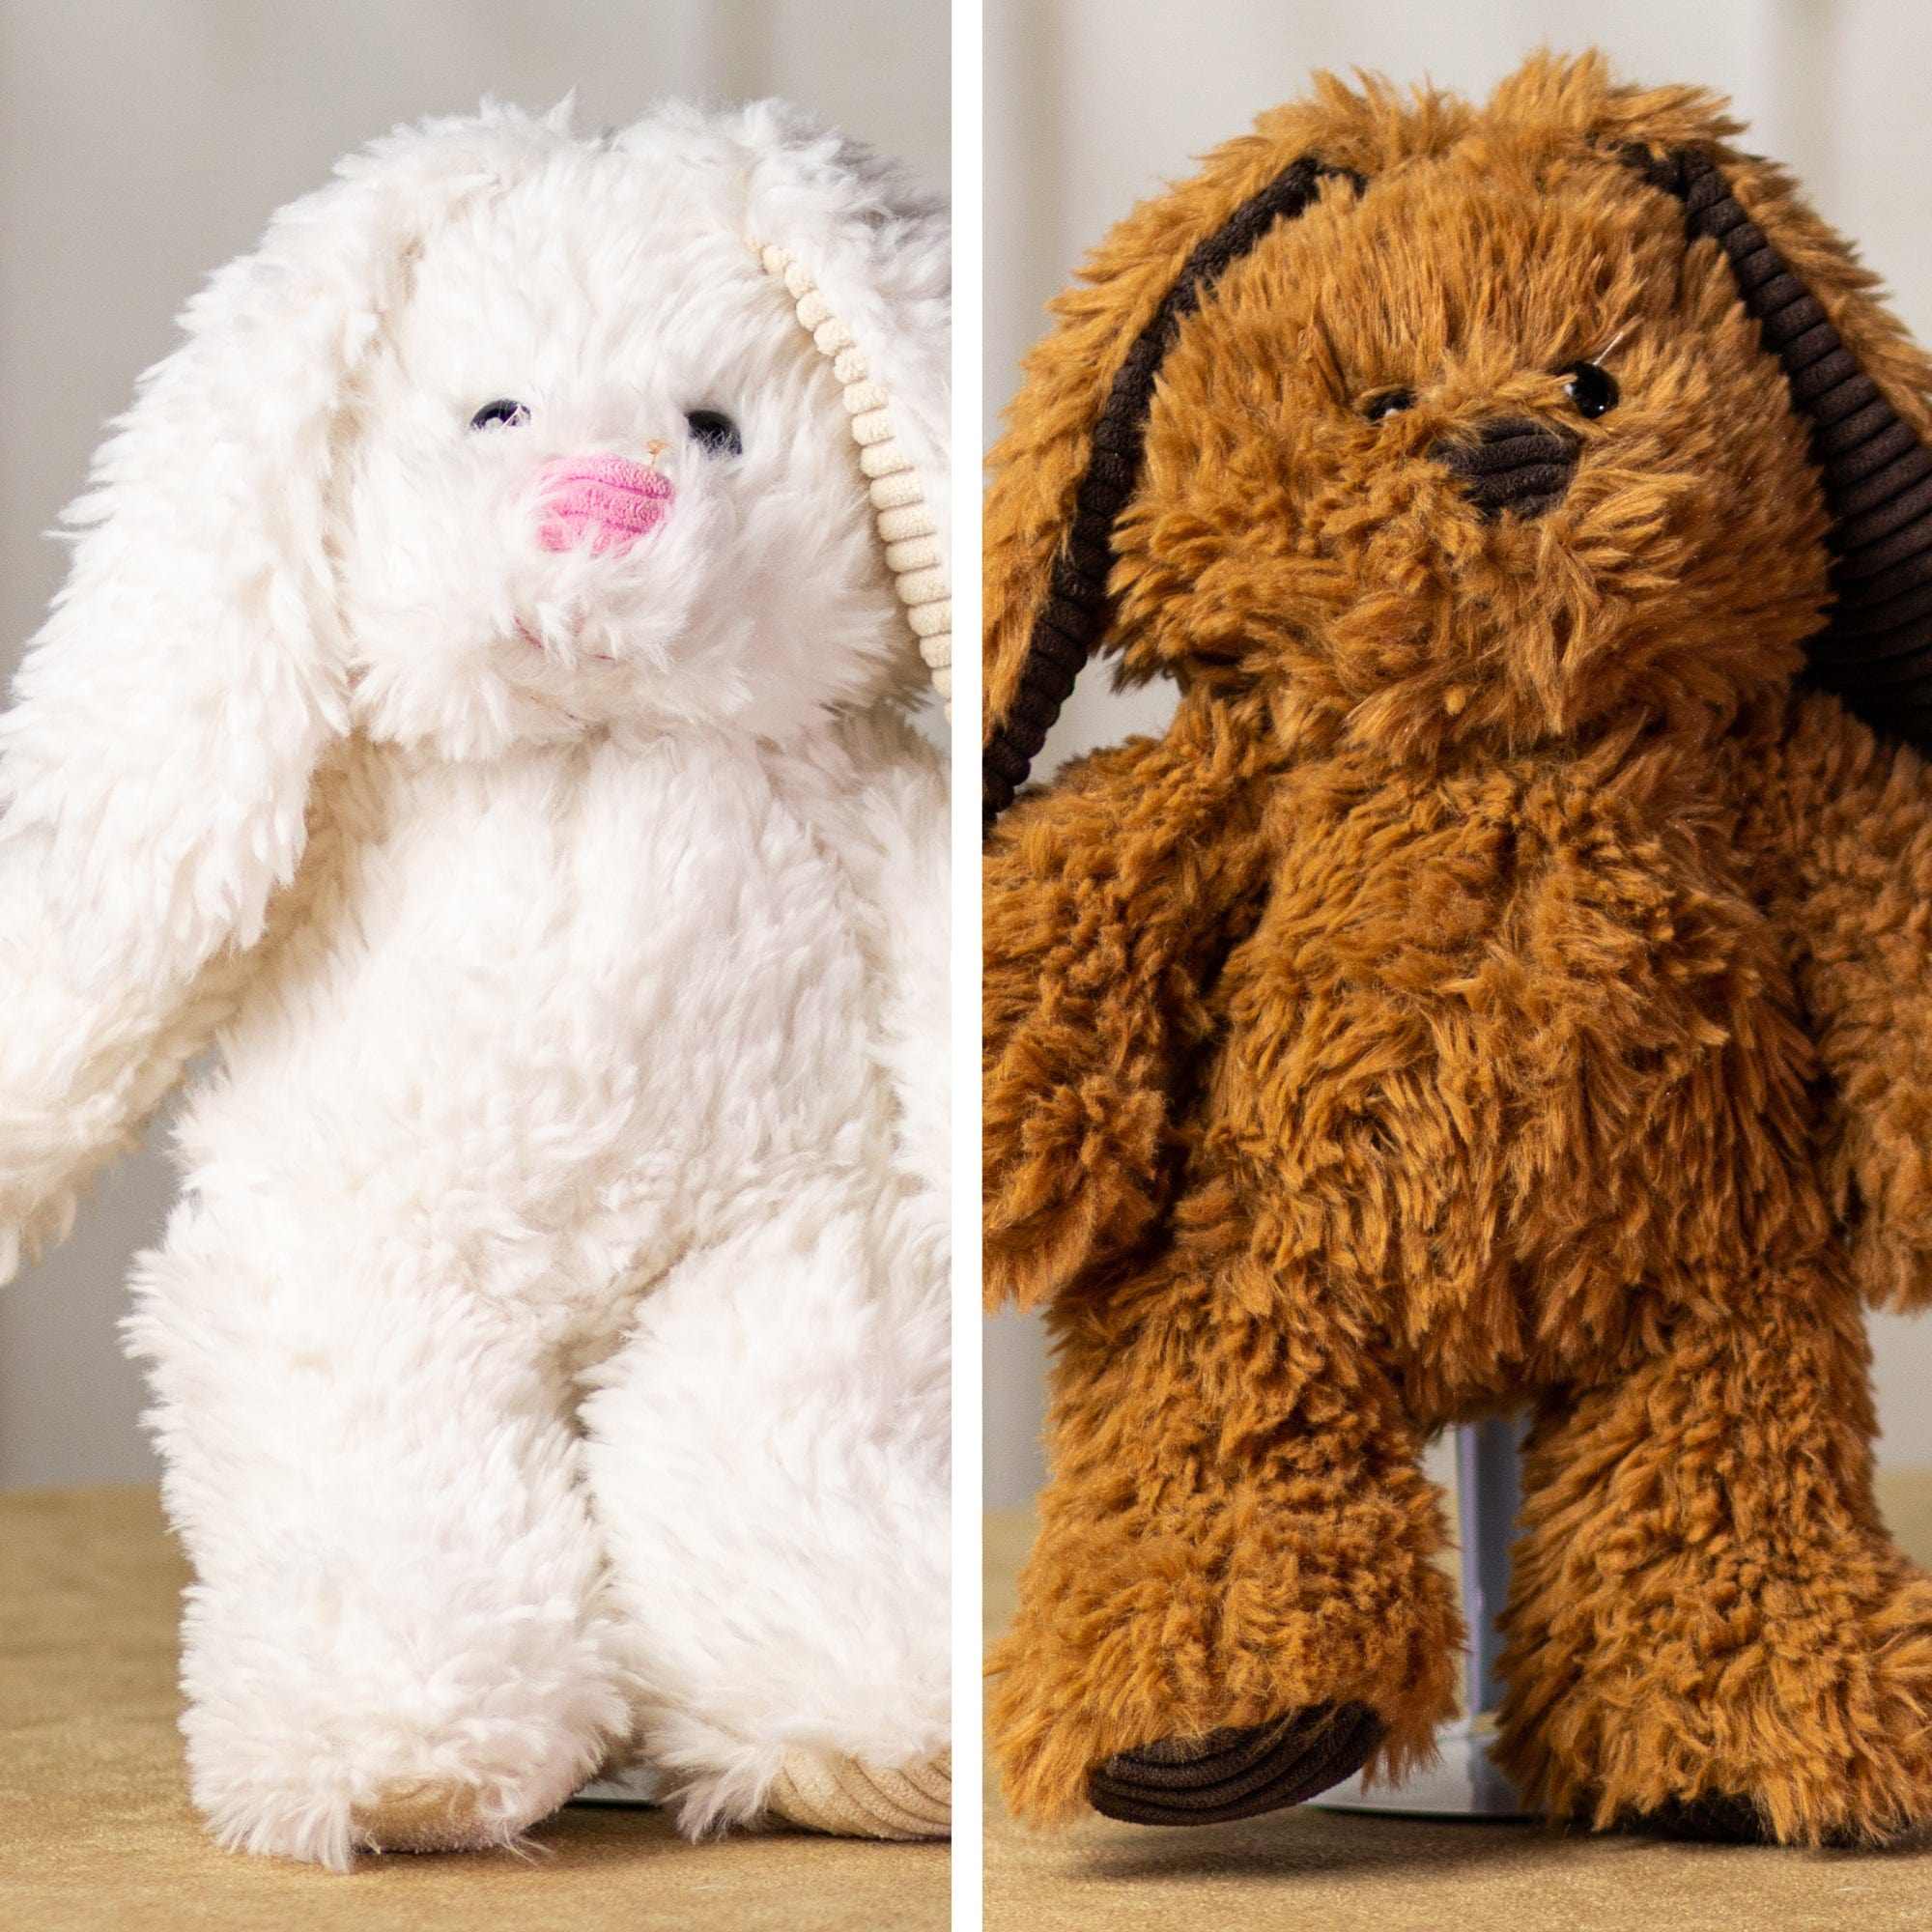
1500 983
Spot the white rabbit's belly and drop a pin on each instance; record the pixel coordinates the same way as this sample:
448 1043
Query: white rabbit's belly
562 1018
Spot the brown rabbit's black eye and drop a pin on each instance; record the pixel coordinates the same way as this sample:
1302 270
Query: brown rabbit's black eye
1389 403
502 411
716 432
1592 389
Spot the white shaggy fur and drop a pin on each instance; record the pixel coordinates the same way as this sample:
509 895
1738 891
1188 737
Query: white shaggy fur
549 1345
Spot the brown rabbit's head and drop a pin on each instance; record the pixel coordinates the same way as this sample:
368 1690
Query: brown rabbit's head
1446 427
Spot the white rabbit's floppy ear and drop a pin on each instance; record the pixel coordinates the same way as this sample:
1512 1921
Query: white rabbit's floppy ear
907 524
864 256
168 715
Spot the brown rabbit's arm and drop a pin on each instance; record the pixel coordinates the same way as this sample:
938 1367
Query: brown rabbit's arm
1846 821
1109 897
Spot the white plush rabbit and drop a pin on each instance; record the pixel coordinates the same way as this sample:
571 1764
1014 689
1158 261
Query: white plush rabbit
477 708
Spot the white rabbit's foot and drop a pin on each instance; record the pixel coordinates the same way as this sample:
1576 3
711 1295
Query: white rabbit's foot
840 1795
426 1817
328 1825
328 1767
332 1820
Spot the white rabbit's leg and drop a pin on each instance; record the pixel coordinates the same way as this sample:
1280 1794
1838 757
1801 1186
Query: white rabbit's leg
397 1638
769 1456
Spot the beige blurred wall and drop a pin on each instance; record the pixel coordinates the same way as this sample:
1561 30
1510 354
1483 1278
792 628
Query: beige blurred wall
1093 102
142 142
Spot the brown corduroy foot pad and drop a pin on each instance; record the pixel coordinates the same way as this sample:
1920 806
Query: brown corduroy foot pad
1235 1774
1717 1818
1721 1818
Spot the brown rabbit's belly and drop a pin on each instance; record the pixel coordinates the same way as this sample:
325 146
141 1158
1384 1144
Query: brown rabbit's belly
1514 1055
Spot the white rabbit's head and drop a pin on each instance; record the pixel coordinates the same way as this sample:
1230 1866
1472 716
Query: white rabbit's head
504 435
598 475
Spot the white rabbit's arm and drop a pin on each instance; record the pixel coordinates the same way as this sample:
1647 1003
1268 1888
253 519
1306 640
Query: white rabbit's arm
914 892
890 825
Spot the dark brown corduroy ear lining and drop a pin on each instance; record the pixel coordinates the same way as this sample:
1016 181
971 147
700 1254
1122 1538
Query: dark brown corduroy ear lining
1075 610
1876 652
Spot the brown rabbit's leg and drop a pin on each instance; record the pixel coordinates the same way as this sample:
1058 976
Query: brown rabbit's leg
1709 1630
1230 1603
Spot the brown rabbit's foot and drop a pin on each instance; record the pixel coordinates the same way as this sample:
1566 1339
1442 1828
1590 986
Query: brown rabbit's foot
1235 1774
1721 1818
1718 1817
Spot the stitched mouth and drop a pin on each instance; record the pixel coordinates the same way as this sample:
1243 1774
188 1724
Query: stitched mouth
531 637
1511 463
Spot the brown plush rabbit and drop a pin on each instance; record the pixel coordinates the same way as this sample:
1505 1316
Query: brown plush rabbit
1510 977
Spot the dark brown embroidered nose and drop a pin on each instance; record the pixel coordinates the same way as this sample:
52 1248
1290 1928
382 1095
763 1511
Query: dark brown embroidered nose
1511 463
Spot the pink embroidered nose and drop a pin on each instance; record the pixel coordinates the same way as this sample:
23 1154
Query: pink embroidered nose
604 501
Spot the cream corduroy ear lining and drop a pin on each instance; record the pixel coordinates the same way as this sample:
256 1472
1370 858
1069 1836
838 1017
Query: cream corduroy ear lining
906 521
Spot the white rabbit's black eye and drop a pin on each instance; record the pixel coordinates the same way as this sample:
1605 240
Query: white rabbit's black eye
1592 389
502 411
716 432
1390 402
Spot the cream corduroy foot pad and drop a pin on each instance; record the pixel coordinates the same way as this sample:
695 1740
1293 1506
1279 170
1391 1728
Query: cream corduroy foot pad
425 1817
850 1799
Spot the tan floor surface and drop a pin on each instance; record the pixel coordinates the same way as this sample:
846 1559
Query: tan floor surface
96 1833
1329 1871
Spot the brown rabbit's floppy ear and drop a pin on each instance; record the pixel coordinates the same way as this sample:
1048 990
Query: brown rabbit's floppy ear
1072 457
1870 447
1065 627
